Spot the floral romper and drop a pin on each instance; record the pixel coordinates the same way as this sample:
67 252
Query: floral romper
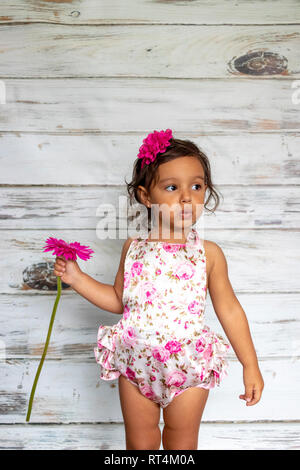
161 343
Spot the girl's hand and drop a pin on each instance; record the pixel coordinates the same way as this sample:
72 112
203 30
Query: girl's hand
254 385
67 270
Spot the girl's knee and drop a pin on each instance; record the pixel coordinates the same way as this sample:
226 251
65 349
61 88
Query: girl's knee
179 439
149 440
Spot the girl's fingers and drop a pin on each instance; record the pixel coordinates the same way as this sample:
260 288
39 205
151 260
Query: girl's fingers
251 399
256 397
60 262
59 269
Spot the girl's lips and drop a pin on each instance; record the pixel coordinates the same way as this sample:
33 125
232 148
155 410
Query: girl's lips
186 215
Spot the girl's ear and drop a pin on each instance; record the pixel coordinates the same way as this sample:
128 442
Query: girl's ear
140 193
143 195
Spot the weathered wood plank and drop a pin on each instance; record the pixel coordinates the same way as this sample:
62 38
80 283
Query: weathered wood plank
263 264
145 12
241 158
106 436
169 51
261 261
105 104
273 320
72 391
76 207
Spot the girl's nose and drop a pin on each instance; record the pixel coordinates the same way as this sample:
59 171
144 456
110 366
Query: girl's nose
186 198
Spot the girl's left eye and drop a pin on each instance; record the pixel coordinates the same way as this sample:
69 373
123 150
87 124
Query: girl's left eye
170 185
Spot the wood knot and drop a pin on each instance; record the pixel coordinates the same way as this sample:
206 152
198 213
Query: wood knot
40 276
259 63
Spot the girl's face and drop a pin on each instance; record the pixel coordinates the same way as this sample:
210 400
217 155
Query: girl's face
180 189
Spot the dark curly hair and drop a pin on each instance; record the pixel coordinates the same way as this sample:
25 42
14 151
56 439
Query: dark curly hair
148 174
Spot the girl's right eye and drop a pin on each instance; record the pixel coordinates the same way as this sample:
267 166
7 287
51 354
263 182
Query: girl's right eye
170 186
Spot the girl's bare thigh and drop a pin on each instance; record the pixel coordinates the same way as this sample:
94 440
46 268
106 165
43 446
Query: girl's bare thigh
141 417
182 419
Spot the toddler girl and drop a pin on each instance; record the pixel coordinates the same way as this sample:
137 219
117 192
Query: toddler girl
162 353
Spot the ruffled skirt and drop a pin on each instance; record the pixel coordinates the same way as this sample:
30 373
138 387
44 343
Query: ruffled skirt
164 366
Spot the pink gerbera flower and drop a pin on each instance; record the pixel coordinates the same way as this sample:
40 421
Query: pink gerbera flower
68 250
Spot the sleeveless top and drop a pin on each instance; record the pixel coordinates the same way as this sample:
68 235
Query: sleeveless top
164 297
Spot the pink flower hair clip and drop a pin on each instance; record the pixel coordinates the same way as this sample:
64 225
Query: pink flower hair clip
154 143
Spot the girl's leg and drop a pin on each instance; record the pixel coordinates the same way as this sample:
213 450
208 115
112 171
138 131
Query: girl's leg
141 417
182 419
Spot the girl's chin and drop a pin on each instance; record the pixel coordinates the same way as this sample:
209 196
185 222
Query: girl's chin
185 221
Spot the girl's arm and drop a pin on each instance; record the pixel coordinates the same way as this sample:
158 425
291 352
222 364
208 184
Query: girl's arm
104 296
234 321
228 309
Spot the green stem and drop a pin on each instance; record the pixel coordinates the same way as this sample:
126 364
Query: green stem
45 348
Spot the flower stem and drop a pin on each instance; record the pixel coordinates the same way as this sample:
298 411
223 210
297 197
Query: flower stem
45 348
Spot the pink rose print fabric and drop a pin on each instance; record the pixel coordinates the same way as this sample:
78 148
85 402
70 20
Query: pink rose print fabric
161 344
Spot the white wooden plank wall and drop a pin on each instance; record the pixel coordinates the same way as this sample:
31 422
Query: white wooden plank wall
85 82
